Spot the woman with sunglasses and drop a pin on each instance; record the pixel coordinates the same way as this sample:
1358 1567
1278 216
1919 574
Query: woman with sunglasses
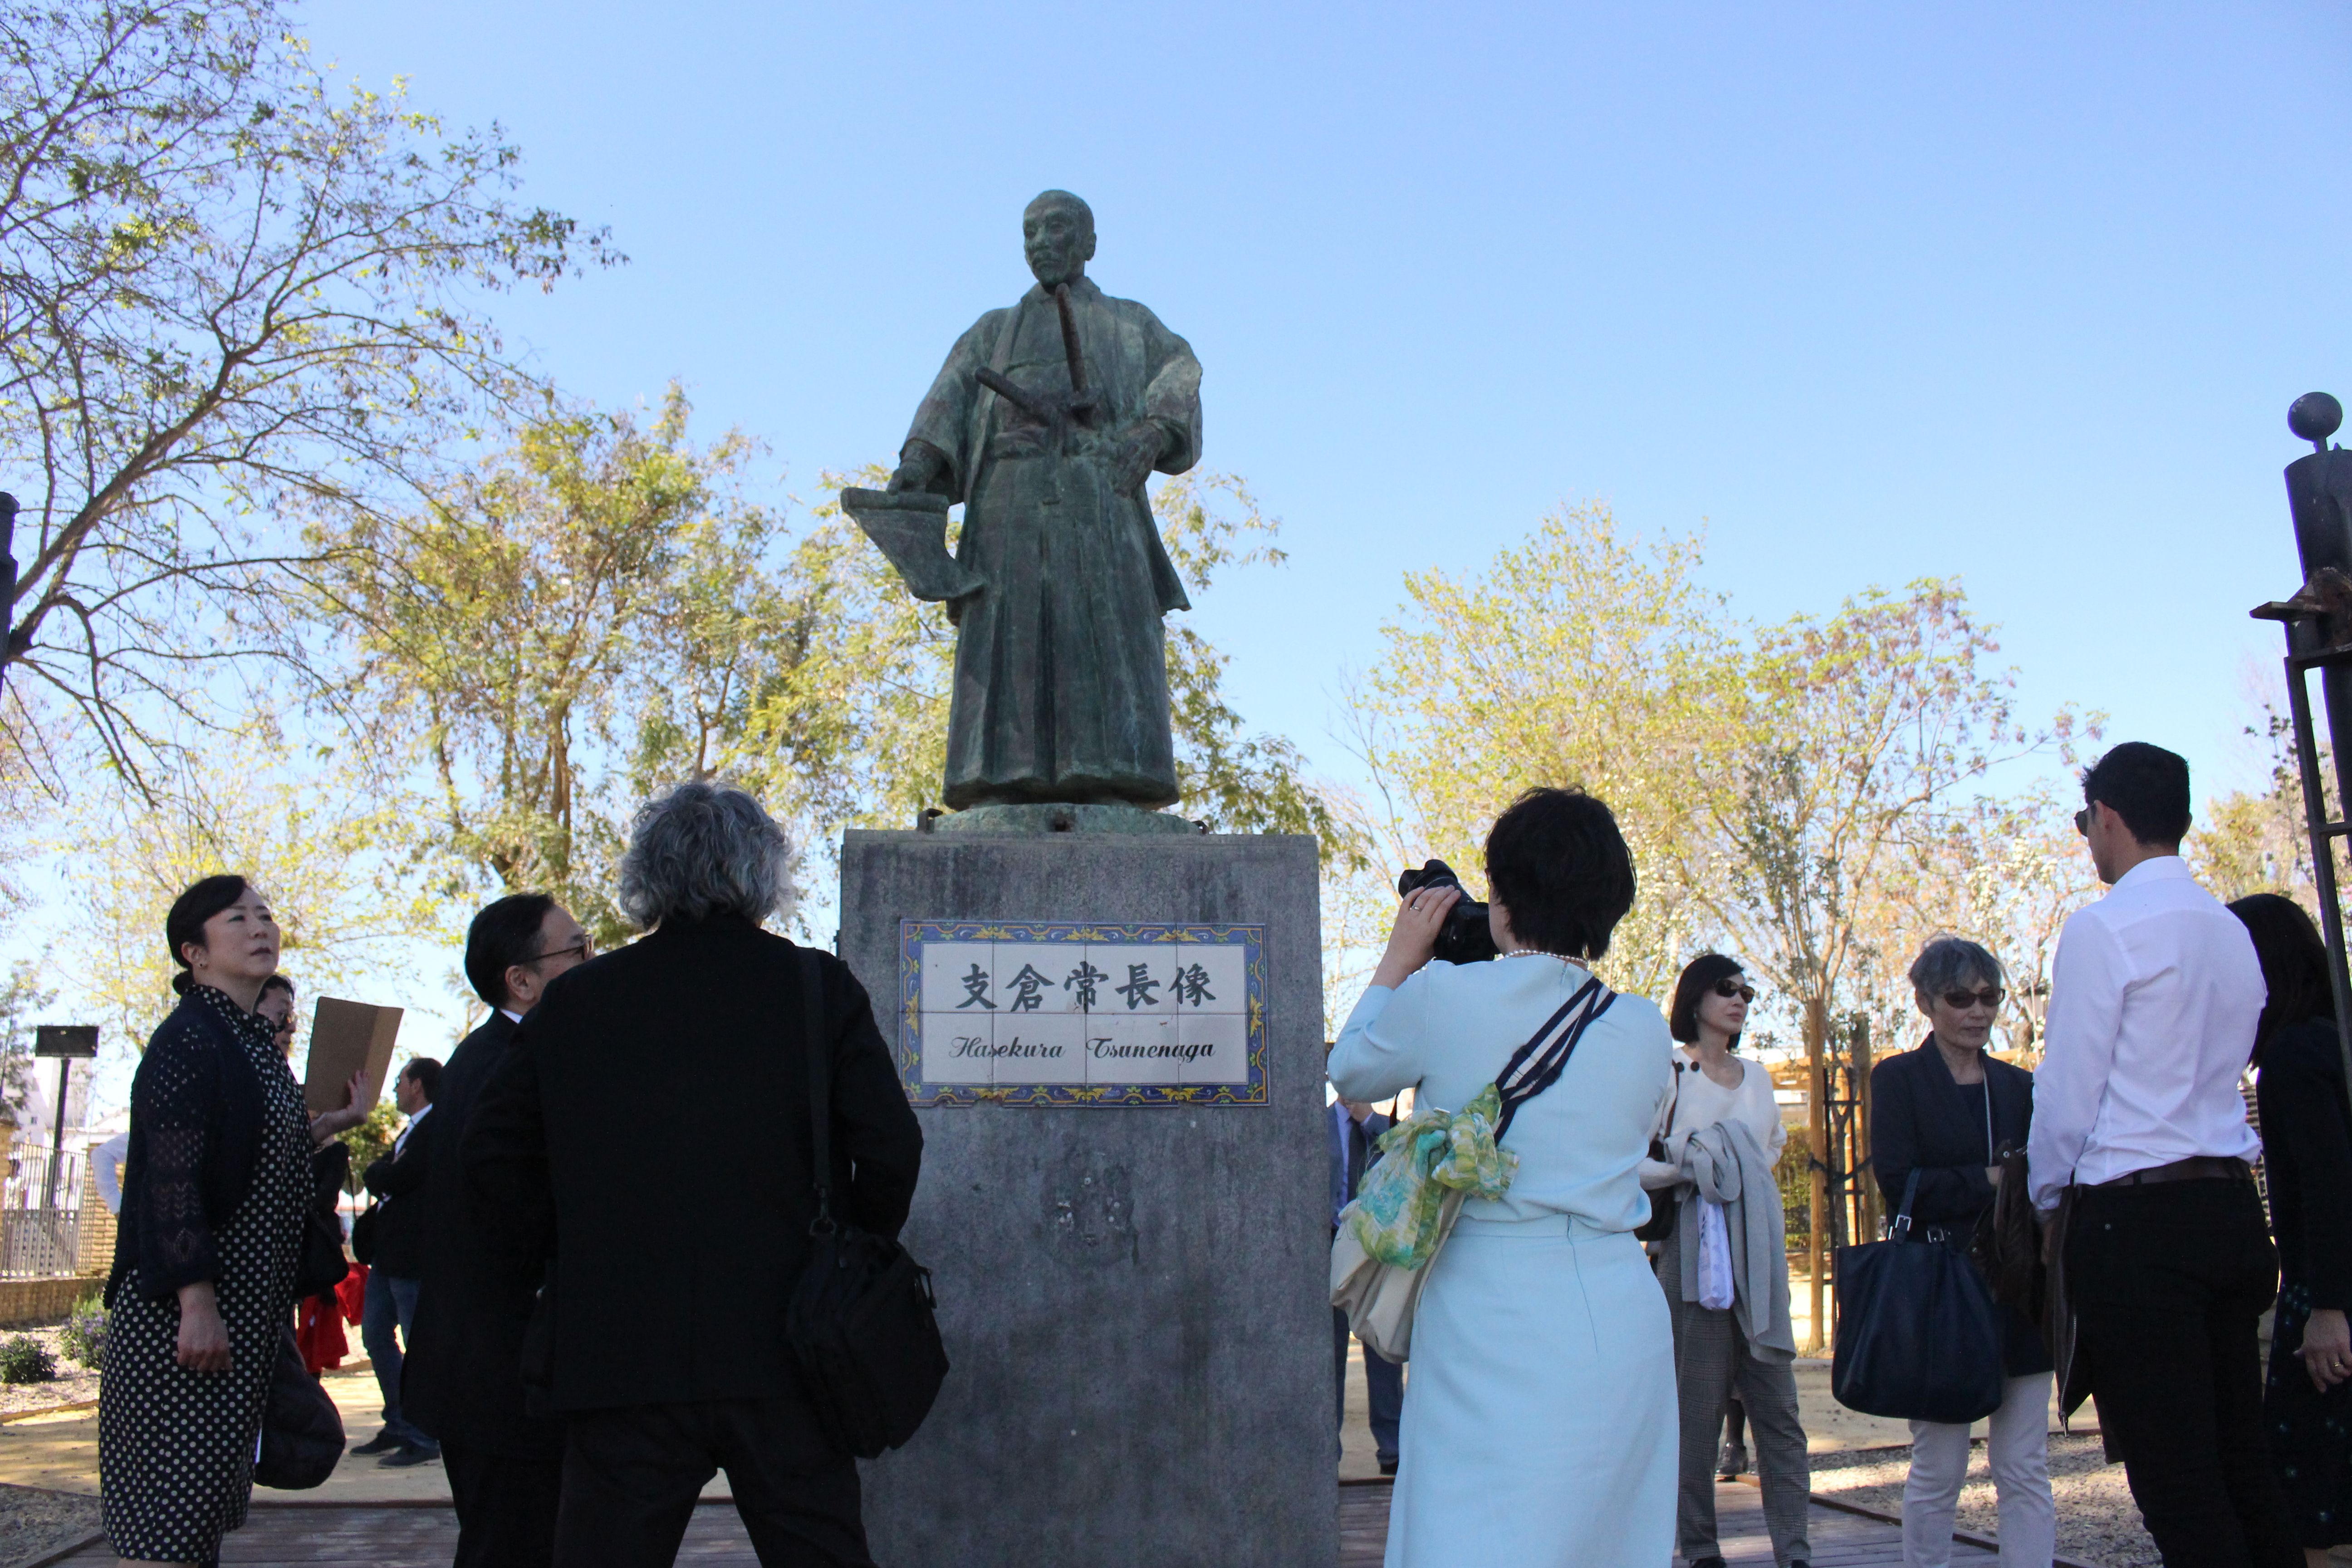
1727 1346
1946 1113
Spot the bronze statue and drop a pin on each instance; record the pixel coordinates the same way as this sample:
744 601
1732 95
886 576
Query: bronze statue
1044 423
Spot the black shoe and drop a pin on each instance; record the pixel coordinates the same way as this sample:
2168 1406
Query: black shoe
408 1454
384 1442
1388 1467
1734 1462
1708 1563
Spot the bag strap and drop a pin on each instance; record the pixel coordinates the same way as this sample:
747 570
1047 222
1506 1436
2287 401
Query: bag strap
1900 1229
820 1087
1536 1066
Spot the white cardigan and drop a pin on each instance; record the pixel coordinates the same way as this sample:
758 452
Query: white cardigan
1703 1103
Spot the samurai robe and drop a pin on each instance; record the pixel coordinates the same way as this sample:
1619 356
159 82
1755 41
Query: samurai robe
1060 679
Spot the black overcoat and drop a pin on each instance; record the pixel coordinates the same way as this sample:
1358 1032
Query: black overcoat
650 1133
462 1379
195 1135
398 1182
2307 1155
1920 1122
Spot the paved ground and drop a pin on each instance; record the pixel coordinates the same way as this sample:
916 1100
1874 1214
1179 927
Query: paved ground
412 1537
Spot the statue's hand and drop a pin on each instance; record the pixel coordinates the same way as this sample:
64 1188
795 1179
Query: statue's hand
919 465
1144 445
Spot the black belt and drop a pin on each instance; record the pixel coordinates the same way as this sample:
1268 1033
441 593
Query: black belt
2196 1168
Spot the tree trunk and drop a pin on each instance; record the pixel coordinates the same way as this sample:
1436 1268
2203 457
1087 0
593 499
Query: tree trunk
1817 1105
1865 1174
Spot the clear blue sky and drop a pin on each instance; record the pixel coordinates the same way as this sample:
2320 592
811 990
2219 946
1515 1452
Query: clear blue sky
2020 293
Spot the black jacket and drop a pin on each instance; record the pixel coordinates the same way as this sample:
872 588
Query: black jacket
2307 1157
462 1379
1920 1121
398 1182
195 1132
651 1131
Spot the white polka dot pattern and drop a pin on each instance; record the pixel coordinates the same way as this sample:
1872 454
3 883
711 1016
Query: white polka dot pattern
175 1447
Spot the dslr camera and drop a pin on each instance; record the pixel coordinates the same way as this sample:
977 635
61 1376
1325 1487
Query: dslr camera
1465 938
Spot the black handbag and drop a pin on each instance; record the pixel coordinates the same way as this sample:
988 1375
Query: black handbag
301 1430
1918 1335
861 1324
363 1234
1664 1205
322 1265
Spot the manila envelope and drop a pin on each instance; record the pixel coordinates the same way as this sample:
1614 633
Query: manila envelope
347 1038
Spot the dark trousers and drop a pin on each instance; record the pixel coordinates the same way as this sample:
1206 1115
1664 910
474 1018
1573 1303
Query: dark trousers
391 1304
1383 1387
505 1506
631 1477
2168 1281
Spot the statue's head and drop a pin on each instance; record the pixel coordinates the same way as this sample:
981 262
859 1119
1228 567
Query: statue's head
1058 231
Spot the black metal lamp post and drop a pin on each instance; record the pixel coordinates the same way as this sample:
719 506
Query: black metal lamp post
2318 619
66 1042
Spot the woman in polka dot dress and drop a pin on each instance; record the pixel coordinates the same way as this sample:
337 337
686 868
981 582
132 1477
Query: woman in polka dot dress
214 1187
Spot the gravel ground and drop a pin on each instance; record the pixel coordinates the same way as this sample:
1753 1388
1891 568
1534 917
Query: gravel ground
73 1383
34 1523
2097 1521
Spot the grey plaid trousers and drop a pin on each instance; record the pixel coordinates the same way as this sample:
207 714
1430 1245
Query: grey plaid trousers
1711 1362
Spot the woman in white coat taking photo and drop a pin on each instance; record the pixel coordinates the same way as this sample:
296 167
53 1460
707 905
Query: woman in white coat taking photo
1539 1428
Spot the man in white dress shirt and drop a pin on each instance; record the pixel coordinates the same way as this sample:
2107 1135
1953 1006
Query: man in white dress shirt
2154 997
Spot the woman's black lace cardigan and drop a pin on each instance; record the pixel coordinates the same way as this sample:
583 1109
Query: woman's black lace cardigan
195 1129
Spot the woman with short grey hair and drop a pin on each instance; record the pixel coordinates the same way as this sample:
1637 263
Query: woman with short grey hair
702 849
696 1041
1942 1118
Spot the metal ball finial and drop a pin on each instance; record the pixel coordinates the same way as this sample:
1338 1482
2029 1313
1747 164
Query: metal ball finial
2316 416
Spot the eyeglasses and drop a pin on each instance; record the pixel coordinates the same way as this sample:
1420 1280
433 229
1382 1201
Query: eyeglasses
2082 822
1987 997
583 947
1727 989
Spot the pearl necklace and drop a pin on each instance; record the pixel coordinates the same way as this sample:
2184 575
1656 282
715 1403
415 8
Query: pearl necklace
1538 953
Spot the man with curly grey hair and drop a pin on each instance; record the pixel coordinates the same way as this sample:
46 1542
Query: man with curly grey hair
672 1262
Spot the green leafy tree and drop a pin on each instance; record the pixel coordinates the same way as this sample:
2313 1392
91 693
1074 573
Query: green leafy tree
230 287
1860 736
494 634
2258 841
1582 657
825 686
21 999
325 840
370 1141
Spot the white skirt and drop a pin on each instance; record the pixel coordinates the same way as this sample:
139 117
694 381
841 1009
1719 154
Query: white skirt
1540 1428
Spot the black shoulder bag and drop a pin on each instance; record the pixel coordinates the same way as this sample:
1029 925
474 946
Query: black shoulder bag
1919 1337
1660 1226
301 1430
862 1322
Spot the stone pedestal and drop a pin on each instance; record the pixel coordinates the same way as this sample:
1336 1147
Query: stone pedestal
1131 1279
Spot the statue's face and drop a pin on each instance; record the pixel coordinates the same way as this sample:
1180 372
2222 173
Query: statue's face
1059 242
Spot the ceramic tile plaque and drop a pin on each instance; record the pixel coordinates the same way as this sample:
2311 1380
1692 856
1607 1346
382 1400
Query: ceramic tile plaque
1059 1014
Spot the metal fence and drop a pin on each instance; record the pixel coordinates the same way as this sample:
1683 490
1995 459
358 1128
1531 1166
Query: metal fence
40 1217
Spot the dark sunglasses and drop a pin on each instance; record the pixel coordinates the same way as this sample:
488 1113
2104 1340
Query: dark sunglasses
1726 989
1990 997
2082 822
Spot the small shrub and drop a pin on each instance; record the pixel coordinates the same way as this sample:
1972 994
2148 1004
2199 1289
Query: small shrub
24 1358
84 1335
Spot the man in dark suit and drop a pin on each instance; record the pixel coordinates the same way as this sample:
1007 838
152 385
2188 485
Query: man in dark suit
463 1382
1354 1128
660 1339
397 1184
